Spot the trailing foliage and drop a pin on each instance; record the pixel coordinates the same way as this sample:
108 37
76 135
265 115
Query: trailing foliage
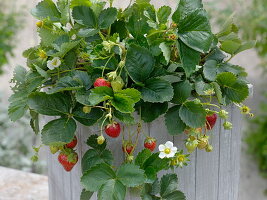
97 64
9 25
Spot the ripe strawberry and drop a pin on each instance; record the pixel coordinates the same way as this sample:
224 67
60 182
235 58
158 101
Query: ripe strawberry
211 121
113 130
72 144
150 143
128 147
101 82
68 161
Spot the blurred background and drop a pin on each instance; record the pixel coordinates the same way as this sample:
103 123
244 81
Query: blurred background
18 32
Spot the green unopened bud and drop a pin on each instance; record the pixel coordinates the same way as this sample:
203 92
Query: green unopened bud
100 140
223 114
227 125
209 148
112 75
122 64
108 45
197 101
40 24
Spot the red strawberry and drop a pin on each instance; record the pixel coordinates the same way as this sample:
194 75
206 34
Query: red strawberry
128 147
72 144
211 121
150 143
101 82
68 161
113 130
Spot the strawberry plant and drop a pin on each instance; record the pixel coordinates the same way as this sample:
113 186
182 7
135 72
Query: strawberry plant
117 69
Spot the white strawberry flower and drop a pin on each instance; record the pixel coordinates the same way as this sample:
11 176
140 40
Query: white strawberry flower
54 63
167 150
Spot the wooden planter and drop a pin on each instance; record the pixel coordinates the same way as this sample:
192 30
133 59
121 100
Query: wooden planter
209 176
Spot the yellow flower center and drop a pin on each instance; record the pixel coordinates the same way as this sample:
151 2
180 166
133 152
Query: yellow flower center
181 158
167 151
54 62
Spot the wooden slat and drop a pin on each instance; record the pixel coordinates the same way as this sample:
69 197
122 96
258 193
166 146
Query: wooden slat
186 174
207 166
225 174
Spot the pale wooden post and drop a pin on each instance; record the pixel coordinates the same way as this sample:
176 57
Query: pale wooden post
209 176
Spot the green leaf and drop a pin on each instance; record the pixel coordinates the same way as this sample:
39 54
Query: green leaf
151 111
131 175
87 119
189 58
182 91
234 89
94 178
86 195
155 162
139 63
226 79
52 105
166 50
230 46
65 83
195 31
163 14
176 195
126 118
107 17
63 7
173 121
85 16
75 3
185 7
112 190
46 9
94 157
142 157
192 114
100 94
25 83
82 96
34 121
92 142
218 92
245 46
168 184
157 90
125 100
47 36
201 87
210 70
58 131
65 48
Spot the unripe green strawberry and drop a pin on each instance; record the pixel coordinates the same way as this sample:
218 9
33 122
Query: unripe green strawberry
100 139
227 125
117 84
203 142
87 109
223 114
191 145
54 149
